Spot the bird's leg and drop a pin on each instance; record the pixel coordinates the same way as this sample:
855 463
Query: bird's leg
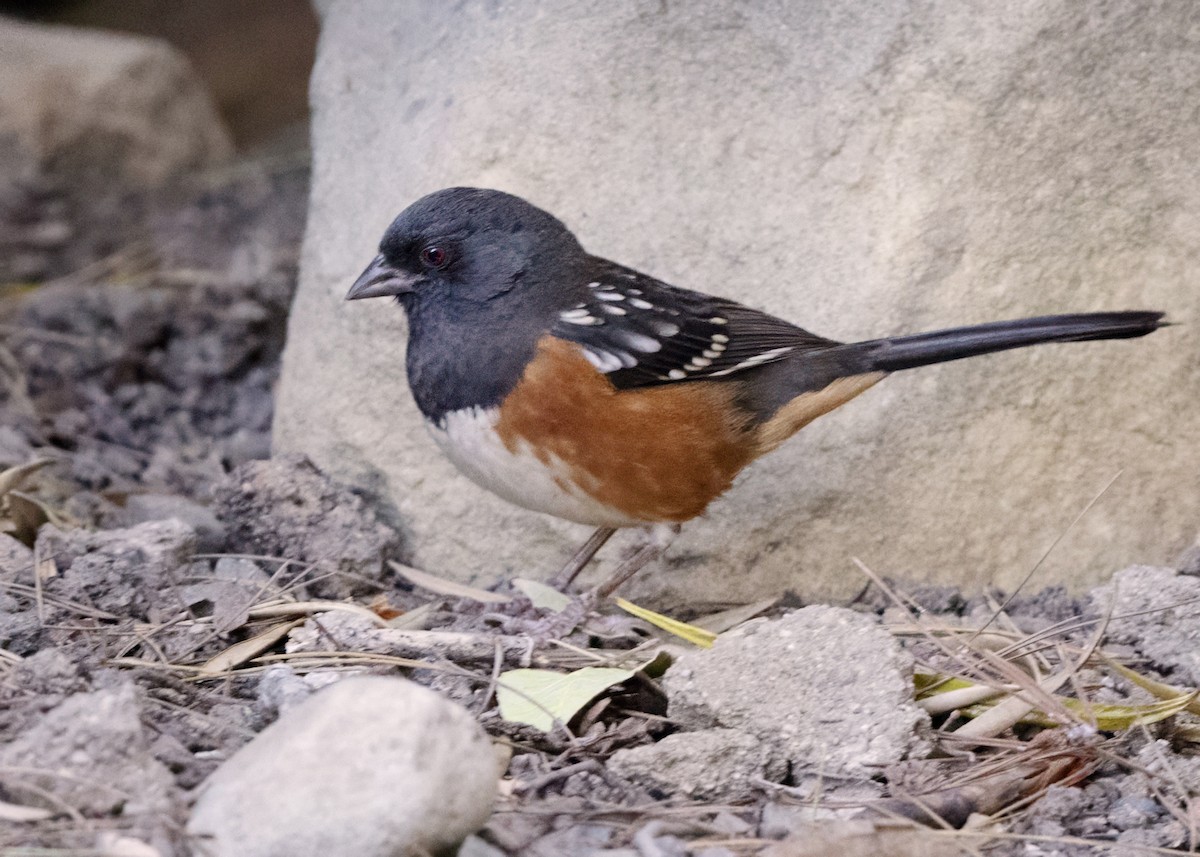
581 557
660 538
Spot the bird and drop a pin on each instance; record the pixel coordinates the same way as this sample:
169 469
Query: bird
581 388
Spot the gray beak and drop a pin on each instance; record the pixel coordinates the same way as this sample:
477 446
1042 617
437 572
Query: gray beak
380 280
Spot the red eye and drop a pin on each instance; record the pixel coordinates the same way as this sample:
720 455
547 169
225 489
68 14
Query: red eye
434 256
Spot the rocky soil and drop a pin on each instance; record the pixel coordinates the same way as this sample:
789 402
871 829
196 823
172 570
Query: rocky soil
167 593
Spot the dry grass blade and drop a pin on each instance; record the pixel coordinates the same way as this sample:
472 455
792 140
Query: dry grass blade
691 633
274 610
449 646
12 478
1049 551
1112 849
440 586
719 623
1000 784
65 603
956 697
301 662
239 653
1010 712
868 837
1156 688
15 813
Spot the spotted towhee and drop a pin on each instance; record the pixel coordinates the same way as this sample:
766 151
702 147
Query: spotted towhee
574 386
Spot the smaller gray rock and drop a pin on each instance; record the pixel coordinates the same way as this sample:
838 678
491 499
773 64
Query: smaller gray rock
49 672
140 508
712 764
16 560
1131 812
824 688
130 572
476 847
21 631
90 752
374 767
286 507
1189 561
1157 613
238 569
123 109
280 689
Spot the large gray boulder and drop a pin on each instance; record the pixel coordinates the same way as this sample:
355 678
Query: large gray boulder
86 105
860 169
89 120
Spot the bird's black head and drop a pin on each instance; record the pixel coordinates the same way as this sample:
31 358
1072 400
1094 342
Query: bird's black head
464 245
482 275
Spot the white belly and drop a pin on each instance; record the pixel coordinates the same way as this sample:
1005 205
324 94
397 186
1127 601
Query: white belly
468 438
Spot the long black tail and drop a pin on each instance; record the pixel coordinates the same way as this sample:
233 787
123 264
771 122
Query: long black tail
906 352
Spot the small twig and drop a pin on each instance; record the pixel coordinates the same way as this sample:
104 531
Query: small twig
497 665
588 765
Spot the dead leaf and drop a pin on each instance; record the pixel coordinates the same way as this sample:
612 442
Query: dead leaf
12 478
449 588
239 653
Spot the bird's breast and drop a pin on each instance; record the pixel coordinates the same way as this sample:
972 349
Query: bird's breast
566 443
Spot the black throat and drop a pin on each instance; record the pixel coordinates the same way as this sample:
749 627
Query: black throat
459 360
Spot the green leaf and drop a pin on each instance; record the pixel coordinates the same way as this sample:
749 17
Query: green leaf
539 698
931 684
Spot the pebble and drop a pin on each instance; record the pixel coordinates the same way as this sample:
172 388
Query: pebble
370 767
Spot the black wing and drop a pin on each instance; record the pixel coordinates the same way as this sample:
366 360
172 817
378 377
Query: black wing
641 331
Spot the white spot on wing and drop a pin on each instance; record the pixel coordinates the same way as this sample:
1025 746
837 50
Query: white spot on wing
666 328
640 304
579 316
605 361
638 341
608 295
676 374
757 359
720 339
613 310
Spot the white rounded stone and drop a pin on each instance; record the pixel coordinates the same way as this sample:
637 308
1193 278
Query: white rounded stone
370 767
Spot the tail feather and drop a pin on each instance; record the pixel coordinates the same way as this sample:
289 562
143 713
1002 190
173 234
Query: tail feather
907 352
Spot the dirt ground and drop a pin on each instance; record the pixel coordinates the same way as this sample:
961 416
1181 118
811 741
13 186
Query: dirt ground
146 533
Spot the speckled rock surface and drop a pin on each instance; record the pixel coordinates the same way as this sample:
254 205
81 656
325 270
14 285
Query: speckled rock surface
711 764
825 688
1157 611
